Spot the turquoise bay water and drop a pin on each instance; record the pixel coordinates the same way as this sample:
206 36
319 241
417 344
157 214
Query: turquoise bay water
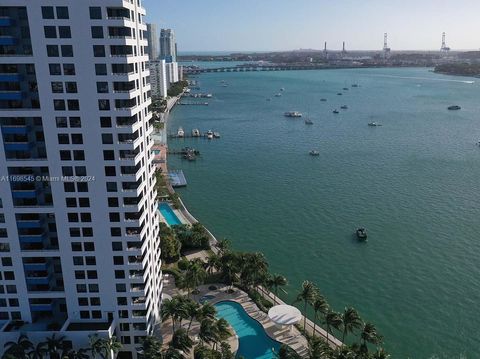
413 183
168 214
253 342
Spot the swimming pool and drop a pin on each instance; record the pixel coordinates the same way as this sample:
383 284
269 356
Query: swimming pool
168 214
253 341
157 152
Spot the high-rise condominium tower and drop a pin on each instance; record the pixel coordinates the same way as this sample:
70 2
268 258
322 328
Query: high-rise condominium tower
168 45
152 37
79 245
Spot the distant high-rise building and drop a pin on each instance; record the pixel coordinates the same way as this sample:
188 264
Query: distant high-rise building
158 78
168 46
79 242
152 38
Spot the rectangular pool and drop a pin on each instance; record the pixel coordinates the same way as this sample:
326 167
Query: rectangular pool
167 213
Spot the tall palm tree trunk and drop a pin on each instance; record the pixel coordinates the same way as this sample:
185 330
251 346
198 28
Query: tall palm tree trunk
305 316
314 324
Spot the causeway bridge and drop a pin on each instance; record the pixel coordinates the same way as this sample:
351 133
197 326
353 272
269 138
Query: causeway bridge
195 70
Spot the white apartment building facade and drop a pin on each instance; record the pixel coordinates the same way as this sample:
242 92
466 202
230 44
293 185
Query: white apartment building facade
79 244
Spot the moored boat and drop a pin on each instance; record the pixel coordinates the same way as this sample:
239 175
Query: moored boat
216 135
180 132
314 153
374 124
209 134
323 99
195 132
308 122
278 95
344 107
361 234
336 111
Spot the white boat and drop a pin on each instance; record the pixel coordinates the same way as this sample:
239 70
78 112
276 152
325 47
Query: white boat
210 134
374 124
278 95
292 114
308 122
216 135
314 153
195 132
180 132
282 89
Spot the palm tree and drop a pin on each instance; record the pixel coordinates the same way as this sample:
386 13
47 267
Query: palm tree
318 349
111 346
253 269
351 321
151 348
19 348
380 354
286 352
320 306
307 295
74 354
223 245
192 309
38 352
206 311
54 345
207 332
169 310
370 335
344 352
222 330
194 275
181 341
213 263
275 281
332 320
96 347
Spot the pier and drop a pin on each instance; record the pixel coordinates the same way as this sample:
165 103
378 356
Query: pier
193 103
177 178
216 136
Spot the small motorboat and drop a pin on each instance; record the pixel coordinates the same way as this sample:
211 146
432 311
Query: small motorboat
361 234
344 107
374 124
308 122
339 94
282 89
216 135
314 153
336 111
323 99
195 132
345 88
269 99
292 114
278 95
454 107
210 134
180 132
354 85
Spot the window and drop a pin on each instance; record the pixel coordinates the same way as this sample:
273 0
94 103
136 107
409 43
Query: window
112 201
108 155
69 69
57 87
62 12
50 32
84 314
80 171
97 32
64 32
87 232
84 202
59 105
95 13
116 246
52 51
67 50
121 287
75 122
105 122
78 261
119 274
71 202
111 187
77 139
96 314
47 12
75 232
102 87
114 217
55 69
76 246
81 288
98 51
79 155
107 138
69 187
101 69
79 274
115 232
73 105
88 246
67 171
104 105
83 302
92 274
71 87
65 155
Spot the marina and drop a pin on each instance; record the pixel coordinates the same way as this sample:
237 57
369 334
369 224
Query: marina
182 103
195 133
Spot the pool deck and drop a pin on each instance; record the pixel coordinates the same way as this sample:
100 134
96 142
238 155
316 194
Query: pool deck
283 334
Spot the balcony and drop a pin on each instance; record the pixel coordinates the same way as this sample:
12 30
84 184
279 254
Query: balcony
7 40
18 146
11 95
47 307
10 77
15 130
6 21
39 279
40 265
25 193
32 238
30 223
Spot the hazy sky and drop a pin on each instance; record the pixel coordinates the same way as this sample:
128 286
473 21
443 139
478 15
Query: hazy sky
256 25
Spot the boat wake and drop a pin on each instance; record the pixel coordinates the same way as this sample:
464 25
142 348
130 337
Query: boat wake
425 78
